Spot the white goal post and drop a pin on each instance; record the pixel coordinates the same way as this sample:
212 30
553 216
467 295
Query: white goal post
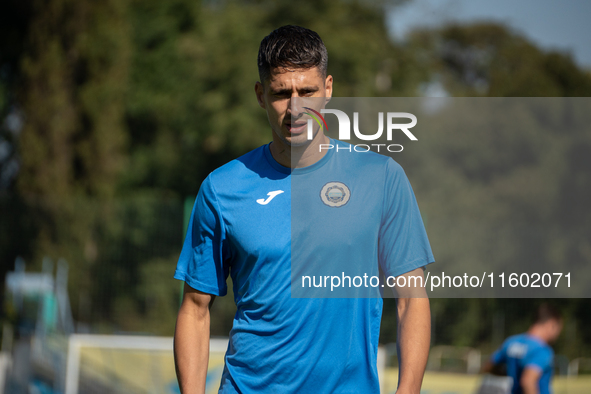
121 342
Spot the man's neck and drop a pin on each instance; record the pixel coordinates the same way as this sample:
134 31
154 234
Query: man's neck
298 156
537 332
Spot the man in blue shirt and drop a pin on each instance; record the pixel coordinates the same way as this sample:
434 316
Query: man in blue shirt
243 225
528 359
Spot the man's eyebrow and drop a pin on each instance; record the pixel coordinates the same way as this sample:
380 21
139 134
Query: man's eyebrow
309 89
304 89
280 91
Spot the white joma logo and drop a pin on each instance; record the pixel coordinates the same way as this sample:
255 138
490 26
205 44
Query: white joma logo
271 196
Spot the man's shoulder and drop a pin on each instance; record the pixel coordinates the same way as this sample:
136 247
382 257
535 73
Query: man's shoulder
524 343
363 156
541 347
244 166
517 339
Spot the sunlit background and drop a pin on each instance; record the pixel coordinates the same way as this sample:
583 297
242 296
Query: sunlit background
113 112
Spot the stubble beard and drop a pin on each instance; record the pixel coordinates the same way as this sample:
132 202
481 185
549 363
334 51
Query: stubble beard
301 140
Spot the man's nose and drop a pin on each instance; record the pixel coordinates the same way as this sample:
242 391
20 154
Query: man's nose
296 106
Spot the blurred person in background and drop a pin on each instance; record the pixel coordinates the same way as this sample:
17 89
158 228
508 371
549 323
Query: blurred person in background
528 358
241 225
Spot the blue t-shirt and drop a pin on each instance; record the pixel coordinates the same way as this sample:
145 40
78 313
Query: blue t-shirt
241 226
525 351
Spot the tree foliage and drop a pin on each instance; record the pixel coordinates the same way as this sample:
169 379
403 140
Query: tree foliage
488 59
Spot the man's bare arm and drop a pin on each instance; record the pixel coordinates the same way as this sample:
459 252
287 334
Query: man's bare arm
530 380
191 341
487 367
414 335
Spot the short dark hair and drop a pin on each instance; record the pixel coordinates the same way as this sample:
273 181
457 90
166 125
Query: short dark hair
546 312
292 47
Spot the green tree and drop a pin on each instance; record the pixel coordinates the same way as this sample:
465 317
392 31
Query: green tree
72 81
489 59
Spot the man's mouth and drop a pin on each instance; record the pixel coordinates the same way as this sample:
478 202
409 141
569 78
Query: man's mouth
297 127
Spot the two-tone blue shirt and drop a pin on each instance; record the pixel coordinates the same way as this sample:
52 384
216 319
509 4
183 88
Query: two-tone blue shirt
525 351
353 211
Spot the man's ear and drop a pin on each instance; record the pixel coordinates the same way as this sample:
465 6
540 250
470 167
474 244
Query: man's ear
328 88
259 89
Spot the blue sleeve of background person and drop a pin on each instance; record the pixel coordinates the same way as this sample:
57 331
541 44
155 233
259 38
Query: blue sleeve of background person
541 358
202 261
403 242
500 355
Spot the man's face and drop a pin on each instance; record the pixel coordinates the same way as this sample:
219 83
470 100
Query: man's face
554 329
275 97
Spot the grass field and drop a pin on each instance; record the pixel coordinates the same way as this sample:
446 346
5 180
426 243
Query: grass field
453 383
130 371
143 371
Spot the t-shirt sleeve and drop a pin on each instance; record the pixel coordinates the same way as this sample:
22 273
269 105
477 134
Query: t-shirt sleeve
541 358
403 243
203 261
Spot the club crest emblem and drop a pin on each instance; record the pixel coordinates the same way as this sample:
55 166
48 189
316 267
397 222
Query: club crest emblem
335 194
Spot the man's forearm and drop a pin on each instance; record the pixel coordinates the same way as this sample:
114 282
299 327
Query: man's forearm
191 351
530 390
487 367
530 379
414 336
